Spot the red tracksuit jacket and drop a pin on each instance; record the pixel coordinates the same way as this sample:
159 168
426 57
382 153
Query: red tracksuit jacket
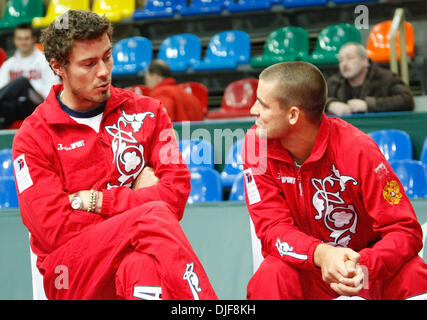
180 105
344 194
63 157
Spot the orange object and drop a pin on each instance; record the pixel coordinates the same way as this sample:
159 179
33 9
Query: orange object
39 46
239 97
378 46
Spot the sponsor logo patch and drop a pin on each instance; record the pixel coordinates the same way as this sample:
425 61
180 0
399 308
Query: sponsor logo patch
22 174
251 187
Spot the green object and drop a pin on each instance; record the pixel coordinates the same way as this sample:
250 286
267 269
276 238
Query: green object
283 44
20 11
330 41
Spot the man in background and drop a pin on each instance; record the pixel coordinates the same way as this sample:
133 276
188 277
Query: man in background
25 78
362 86
180 105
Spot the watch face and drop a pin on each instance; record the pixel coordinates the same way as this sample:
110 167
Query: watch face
76 203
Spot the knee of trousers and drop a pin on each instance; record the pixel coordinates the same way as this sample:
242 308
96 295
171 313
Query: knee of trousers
136 269
155 219
153 212
275 279
409 281
155 208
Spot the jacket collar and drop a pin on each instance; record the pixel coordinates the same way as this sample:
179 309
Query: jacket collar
53 113
276 150
166 82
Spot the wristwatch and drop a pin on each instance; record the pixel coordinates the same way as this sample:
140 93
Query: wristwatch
77 202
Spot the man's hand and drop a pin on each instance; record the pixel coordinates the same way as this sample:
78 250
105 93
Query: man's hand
340 268
146 178
339 108
350 287
357 105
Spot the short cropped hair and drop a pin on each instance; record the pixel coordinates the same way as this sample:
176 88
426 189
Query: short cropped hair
73 25
160 68
298 84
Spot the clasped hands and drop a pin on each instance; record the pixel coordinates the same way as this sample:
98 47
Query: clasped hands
146 178
352 106
340 268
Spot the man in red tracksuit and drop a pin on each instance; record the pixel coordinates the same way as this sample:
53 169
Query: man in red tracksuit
101 183
180 105
332 216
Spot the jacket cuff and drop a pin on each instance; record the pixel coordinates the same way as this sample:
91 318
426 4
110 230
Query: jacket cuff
310 254
107 200
365 263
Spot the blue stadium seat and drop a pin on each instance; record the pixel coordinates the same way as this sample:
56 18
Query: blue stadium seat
237 192
205 185
197 7
423 158
132 55
248 5
394 144
412 175
158 9
8 195
197 153
226 50
180 51
233 164
6 166
303 3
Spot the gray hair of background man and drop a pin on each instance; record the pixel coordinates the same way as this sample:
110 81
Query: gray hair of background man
359 48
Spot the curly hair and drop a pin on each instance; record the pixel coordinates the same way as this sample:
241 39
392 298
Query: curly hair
58 38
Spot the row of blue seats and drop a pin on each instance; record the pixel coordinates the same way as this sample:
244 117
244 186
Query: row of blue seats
207 183
226 50
396 146
168 8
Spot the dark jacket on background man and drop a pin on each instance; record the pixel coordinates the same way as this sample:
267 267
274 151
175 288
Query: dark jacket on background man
382 90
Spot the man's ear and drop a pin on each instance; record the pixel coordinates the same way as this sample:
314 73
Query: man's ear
294 114
366 62
57 67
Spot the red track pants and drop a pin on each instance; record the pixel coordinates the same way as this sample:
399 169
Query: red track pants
277 280
141 253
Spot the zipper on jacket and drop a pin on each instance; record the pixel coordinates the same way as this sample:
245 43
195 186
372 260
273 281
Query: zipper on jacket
301 192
